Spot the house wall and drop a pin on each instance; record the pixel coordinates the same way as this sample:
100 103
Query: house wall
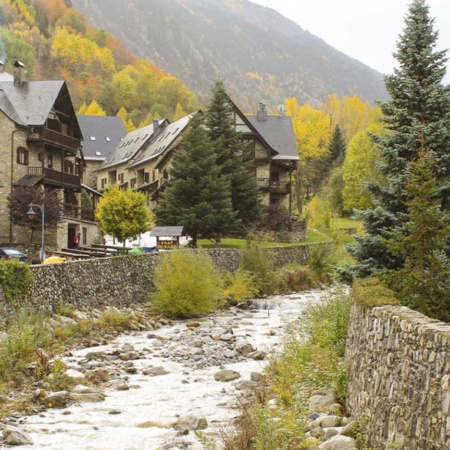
16 137
90 175
123 280
399 378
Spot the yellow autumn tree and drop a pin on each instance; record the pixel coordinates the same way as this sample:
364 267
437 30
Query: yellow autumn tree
94 109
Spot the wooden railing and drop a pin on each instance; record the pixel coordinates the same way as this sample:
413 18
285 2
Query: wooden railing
282 187
57 139
75 212
55 176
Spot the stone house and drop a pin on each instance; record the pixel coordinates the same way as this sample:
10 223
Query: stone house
40 146
272 151
142 159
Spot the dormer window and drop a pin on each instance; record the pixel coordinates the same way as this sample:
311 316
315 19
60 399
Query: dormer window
92 138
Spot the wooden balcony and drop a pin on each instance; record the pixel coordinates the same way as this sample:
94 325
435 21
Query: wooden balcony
279 187
56 178
55 139
75 212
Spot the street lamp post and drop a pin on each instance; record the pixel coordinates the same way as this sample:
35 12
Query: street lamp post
32 215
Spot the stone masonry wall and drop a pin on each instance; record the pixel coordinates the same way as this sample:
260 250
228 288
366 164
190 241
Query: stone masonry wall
123 280
399 378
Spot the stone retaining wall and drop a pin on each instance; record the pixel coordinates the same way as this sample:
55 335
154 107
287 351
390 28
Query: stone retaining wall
399 378
122 280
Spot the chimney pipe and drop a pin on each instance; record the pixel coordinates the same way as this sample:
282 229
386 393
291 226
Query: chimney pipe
262 112
19 73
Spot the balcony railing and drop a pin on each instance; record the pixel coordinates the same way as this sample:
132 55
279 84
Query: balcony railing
282 187
259 154
56 177
56 139
75 212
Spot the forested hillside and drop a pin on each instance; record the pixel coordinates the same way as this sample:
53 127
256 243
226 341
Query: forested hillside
54 41
258 53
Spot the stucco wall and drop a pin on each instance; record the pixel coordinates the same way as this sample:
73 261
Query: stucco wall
122 280
399 377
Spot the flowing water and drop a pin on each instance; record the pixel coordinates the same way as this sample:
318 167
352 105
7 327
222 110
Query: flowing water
142 417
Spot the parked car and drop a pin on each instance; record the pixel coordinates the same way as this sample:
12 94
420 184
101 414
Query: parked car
11 253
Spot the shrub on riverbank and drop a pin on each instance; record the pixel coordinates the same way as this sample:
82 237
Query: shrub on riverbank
312 358
187 285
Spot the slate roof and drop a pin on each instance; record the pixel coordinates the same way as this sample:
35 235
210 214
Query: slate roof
164 138
4 76
129 146
101 135
278 132
29 180
167 231
29 103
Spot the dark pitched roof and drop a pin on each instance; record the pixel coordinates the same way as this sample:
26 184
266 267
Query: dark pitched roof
163 140
278 132
101 135
129 146
29 103
167 231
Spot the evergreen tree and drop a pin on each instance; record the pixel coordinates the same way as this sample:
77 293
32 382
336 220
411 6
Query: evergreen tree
197 196
424 281
416 117
230 151
336 147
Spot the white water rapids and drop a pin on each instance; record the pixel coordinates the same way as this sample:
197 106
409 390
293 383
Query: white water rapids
117 422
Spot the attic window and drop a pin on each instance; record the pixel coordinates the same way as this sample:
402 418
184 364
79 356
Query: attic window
92 138
175 131
107 139
98 153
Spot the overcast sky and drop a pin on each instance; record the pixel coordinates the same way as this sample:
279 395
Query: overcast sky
363 29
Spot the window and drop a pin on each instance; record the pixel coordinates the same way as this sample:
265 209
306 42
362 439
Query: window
147 177
92 138
22 156
84 234
107 139
120 178
104 182
133 183
68 166
50 161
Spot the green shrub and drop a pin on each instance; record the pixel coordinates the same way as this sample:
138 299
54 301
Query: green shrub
15 280
320 262
187 284
27 332
295 279
371 292
239 286
254 260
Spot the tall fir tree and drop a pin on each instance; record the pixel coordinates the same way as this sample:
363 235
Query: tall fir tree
416 117
197 196
230 150
337 148
424 281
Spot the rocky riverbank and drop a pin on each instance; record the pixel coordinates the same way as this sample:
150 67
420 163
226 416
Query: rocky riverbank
151 388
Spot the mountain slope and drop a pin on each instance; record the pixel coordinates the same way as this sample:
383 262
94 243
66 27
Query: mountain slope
259 54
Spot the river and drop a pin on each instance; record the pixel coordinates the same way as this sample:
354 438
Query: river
140 409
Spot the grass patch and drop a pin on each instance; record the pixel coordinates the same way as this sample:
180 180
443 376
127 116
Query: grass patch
314 236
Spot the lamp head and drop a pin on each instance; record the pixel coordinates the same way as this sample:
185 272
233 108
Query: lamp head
31 214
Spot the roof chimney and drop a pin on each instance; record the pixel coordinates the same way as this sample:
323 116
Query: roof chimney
262 112
19 73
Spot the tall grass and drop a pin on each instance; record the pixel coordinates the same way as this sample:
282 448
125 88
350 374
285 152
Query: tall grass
311 358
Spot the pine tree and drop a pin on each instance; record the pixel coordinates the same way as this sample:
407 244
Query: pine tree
197 196
336 147
220 123
416 117
424 281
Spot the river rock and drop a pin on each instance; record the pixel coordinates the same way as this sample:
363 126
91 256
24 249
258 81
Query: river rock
244 348
226 375
56 399
189 422
321 401
155 371
13 436
351 429
331 421
257 355
74 374
82 394
339 442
